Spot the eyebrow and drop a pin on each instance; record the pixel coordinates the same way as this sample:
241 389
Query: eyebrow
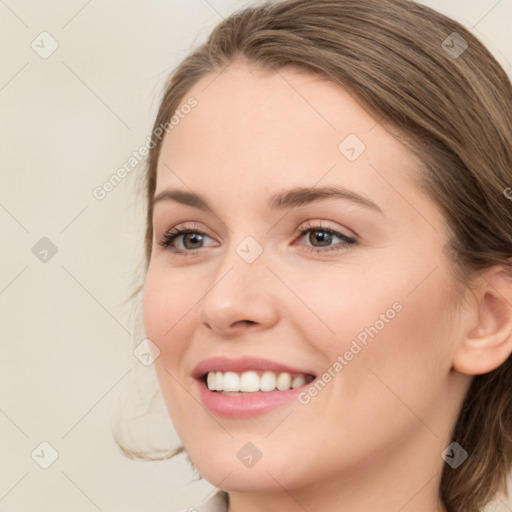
292 198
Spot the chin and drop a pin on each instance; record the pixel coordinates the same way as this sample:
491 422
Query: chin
264 476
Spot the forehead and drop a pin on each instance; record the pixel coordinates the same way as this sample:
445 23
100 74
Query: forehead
255 131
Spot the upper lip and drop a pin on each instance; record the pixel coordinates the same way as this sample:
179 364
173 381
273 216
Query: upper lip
242 364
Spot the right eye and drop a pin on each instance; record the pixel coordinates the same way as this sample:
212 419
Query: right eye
191 235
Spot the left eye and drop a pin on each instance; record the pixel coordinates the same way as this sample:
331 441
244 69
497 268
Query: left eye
326 237
193 236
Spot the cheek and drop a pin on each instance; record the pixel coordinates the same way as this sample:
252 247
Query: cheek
394 329
354 303
166 307
169 312
165 322
154 310
402 357
394 309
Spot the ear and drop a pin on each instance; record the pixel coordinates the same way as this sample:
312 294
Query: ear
487 339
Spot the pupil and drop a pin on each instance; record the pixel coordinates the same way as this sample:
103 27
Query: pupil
325 238
191 235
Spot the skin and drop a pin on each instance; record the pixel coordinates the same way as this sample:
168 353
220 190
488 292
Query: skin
372 438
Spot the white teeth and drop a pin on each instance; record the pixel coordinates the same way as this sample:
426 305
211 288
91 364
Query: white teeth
298 381
268 381
219 379
250 381
210 380
231 382
284 382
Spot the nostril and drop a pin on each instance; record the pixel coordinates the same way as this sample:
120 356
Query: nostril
247 322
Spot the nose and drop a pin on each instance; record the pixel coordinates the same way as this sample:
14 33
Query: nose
241 295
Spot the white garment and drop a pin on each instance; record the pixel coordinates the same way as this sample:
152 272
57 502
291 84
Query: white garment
216 503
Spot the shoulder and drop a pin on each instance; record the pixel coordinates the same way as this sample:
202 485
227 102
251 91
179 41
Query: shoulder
216 503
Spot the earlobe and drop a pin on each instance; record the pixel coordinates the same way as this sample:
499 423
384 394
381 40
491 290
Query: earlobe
487 341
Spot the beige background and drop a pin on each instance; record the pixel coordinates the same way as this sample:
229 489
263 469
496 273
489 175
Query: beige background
68 122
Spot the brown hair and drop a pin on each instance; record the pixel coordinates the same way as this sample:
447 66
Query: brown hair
454 111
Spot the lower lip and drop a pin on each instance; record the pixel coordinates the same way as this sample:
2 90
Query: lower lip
245 406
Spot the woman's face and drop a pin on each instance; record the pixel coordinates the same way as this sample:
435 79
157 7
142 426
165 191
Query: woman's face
368 315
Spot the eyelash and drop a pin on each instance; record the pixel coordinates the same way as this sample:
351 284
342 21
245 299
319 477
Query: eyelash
170 236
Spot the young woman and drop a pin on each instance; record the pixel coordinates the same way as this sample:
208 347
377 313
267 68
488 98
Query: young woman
329 260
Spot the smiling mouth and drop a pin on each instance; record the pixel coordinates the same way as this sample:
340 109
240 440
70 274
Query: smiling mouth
254 381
